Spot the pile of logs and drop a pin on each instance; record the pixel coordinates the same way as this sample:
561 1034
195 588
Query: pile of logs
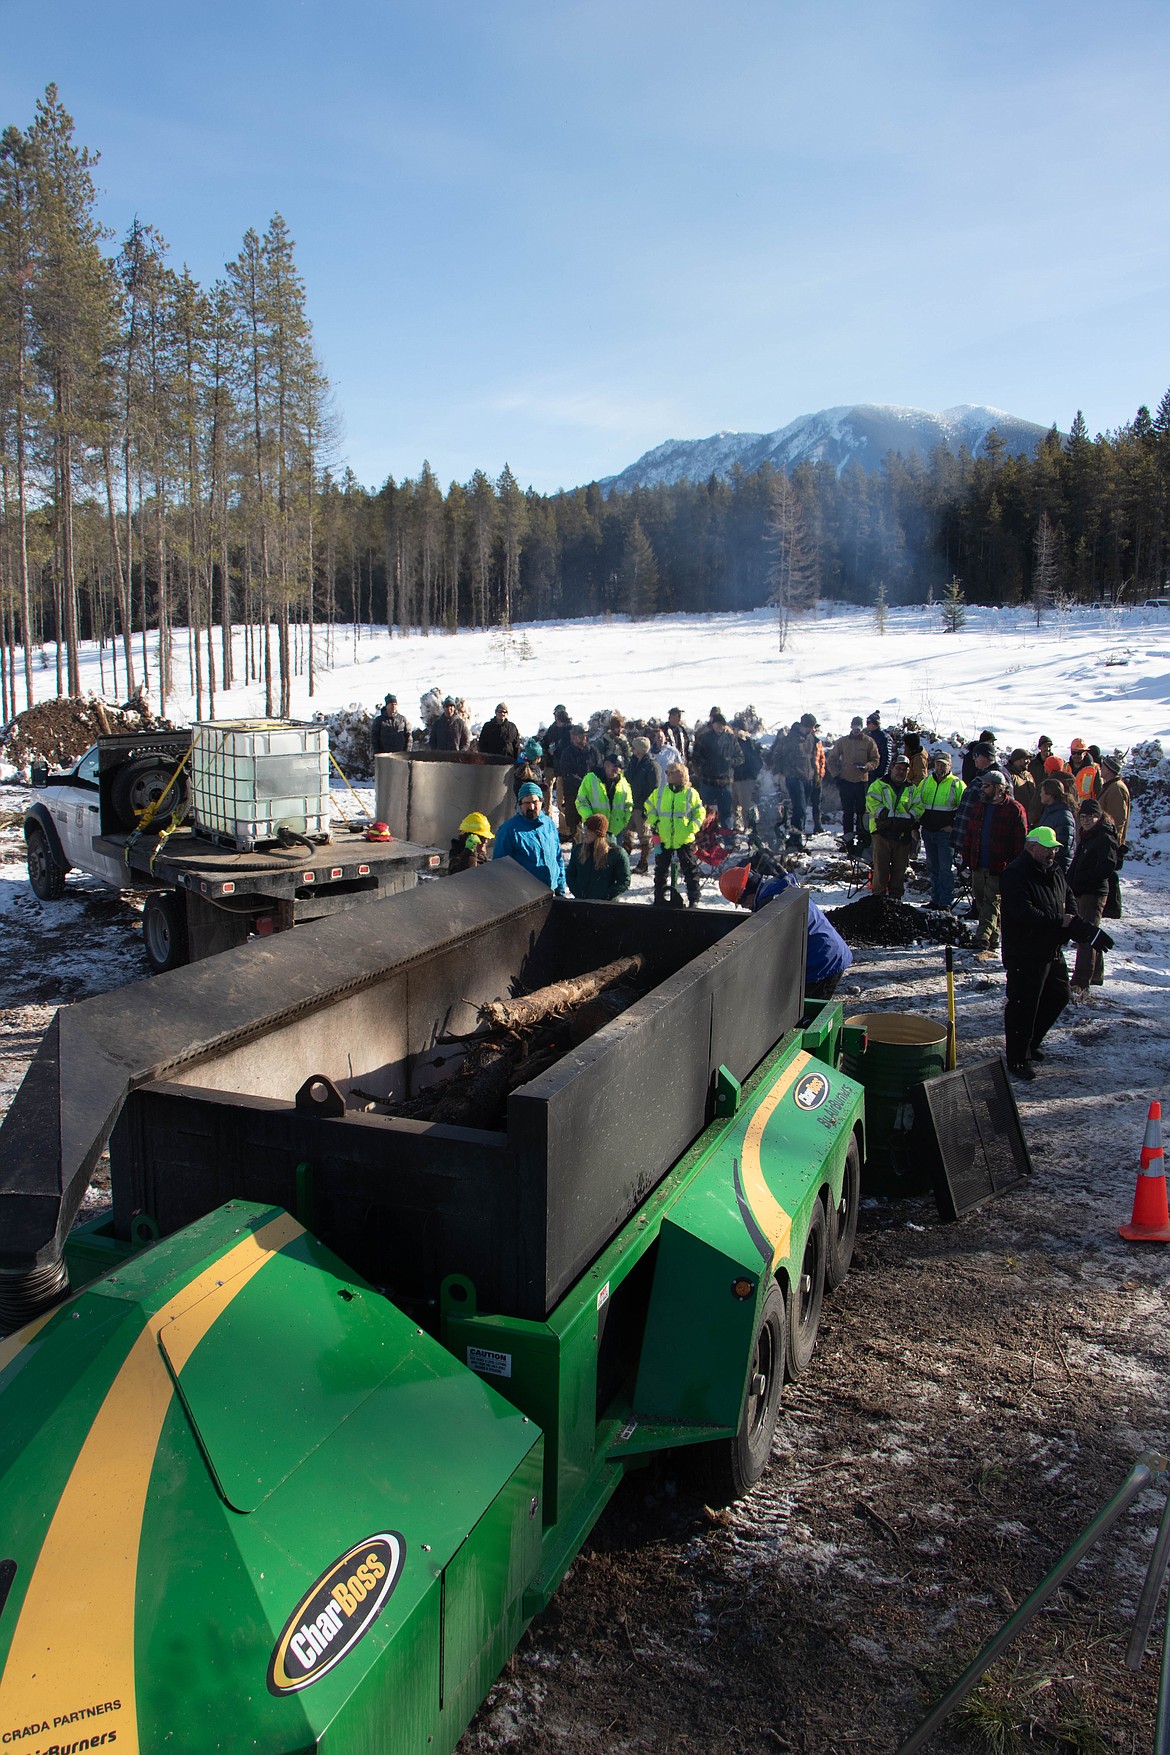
518 1039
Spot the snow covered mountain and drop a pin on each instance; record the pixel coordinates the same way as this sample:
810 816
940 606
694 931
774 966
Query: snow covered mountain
865 433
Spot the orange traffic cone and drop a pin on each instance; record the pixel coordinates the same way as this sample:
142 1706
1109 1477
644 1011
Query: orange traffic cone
1151 1221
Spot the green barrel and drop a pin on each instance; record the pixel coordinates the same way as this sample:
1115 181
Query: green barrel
888 1053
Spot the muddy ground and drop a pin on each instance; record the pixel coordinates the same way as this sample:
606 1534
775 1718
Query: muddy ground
979 1390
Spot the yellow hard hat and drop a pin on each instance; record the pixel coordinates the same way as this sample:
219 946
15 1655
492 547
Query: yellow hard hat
475 823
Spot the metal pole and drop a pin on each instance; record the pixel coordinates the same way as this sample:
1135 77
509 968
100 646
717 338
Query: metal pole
1162 1719
1147 1468
1151 1590
952 1036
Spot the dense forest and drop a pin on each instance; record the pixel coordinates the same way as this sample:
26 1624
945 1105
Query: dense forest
169 460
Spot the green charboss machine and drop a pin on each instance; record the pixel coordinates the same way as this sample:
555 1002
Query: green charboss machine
297 1439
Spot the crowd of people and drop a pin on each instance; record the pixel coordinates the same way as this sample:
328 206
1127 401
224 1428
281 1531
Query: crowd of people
1038 838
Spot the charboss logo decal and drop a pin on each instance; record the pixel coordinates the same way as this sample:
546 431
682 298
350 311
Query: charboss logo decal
811 1092
339 1610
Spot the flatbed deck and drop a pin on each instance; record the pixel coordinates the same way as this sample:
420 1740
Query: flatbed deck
187 860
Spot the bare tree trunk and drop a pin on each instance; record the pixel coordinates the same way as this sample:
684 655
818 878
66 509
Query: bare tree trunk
164 603
142 584
69 579
22 550
58 612
121 575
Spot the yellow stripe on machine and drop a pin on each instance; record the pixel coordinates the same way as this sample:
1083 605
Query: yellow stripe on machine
19 1341
769 1215
74 1642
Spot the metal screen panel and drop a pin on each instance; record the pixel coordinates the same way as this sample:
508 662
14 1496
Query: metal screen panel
967 1129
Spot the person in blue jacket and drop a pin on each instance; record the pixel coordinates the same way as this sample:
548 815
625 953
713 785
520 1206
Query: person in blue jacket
827 957
531 839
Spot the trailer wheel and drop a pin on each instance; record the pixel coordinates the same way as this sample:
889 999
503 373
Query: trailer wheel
843 1223
46 873
805 1295
728 1468
142 783
164 931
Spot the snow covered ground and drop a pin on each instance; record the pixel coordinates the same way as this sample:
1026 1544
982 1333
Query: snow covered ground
1103 675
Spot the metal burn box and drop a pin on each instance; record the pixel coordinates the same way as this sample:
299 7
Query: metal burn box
207 1110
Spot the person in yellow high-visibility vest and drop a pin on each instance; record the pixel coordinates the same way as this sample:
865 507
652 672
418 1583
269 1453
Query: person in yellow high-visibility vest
607 793
892 808
674 814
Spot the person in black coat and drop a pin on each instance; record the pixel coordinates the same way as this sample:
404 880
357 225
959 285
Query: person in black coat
389 731
642 779
1056 814
1036 922
574 760
983 745
498 736
555 737
874 727
448 731
1088 882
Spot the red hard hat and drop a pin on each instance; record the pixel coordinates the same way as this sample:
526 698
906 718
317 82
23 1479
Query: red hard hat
379 832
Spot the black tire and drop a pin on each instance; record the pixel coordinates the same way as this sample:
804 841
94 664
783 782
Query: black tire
805 1296
730 1467
164 931
142 783
46 868
843 1222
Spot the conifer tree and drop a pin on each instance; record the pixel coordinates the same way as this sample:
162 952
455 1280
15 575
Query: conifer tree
513 524
485 513
17 341
954 606
1046 568
73 315
793 573
638 578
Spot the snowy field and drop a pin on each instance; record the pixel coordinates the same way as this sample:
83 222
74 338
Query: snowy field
1103 675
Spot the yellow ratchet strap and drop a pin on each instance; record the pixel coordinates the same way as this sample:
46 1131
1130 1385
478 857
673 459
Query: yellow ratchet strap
152 811
345 777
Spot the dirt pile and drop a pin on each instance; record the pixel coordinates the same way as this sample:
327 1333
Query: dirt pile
879 920
1147 774
58 732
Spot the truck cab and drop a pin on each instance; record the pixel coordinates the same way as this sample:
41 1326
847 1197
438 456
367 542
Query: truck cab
107 791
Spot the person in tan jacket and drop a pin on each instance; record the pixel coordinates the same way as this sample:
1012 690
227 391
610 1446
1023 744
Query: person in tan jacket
916 756
1115 798
1024 786
853 762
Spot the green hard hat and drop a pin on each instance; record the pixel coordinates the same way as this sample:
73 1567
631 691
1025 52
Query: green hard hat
1044 835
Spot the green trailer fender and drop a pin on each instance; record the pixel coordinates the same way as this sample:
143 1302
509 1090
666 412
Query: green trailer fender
247 1503
739 1223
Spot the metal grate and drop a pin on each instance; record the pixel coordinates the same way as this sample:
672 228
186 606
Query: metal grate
968 1132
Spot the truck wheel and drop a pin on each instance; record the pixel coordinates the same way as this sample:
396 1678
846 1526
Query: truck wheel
805 1295
46 872
730 1467
140 784
164 931
843 1223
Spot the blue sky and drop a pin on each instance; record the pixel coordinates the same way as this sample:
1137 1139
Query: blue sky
556 233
